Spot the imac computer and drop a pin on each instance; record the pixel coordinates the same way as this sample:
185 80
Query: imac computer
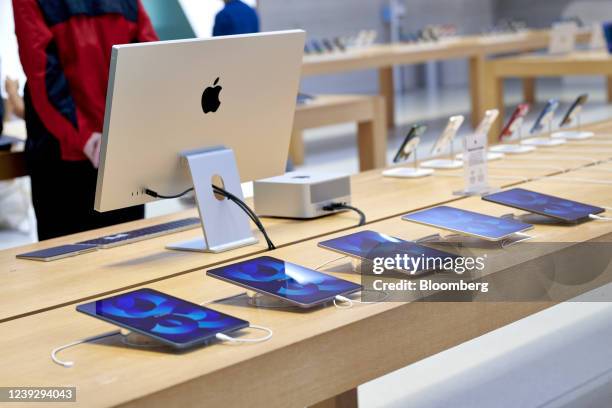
180 114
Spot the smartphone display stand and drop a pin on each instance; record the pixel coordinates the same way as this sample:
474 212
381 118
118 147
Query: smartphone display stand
474 242
224 224
445 164
577 134
514 148
409 172
543 141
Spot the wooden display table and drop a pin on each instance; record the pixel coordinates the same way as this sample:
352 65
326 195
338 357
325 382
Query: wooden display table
314 355
30 287
538 65
383 57
367 111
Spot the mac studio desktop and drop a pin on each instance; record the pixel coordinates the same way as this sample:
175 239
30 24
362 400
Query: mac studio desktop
149 145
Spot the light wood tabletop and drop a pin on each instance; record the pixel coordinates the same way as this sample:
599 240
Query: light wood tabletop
313 355
31 287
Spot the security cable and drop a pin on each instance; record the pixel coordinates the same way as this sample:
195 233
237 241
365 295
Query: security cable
226 194
342 206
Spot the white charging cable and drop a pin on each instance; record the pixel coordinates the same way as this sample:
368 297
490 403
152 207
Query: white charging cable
343 302
219 336
69 364
268 336
599 218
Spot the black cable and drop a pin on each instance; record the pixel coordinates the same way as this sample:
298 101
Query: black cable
226 194
157 195
342 206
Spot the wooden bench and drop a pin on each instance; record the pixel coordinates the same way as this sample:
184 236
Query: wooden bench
324 110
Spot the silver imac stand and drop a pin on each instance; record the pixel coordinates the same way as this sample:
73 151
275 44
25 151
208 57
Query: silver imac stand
224 224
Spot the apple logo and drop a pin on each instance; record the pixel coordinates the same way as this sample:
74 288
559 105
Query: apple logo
210 98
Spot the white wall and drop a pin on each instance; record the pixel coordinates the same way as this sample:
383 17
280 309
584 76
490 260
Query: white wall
8 46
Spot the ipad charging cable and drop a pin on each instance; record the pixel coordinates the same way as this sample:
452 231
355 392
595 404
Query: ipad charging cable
68 364
268 336
218 336
601 217
343 302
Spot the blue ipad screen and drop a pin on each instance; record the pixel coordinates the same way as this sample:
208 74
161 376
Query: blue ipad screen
468 222
286 280
544 204
161 316
371 244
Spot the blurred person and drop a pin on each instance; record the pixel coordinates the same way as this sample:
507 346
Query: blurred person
15 101
65 49
1 115
236 18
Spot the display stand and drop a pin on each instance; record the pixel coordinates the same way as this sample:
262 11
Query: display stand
474 242
577 134
267 302
544 141
137 340
532 218
445 164
225 225
514 148
409 172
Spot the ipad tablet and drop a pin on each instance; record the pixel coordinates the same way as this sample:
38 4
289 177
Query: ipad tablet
542 204
287 281
167 319
368 245
59 252
468 223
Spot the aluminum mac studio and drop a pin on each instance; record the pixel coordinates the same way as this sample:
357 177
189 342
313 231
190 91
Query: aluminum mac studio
306 204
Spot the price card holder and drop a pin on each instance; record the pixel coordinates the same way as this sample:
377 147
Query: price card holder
475 170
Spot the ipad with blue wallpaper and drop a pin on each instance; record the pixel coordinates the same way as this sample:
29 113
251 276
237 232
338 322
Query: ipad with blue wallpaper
369 245
283 280
468 223
542 204
167 319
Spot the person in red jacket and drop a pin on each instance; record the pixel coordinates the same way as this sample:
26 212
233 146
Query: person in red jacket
65 49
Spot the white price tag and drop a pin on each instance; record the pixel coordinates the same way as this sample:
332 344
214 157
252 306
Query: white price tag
475 163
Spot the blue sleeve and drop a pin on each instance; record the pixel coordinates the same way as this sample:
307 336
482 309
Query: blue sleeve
222 25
